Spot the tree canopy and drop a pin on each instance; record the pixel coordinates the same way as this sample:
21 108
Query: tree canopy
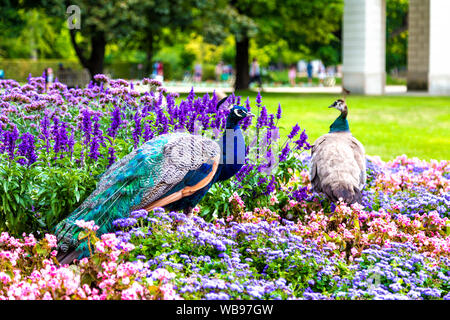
183 31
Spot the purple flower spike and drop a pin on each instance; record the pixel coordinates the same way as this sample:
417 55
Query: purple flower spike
294 131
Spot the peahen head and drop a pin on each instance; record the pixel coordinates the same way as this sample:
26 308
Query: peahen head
341 123
237 113
340 105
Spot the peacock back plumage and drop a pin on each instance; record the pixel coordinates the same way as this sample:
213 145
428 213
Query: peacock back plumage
137 180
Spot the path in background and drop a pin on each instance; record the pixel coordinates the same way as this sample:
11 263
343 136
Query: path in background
205 87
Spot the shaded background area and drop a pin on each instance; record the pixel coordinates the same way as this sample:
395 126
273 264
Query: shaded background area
125 38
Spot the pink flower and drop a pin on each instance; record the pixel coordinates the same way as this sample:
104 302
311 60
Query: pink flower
88 225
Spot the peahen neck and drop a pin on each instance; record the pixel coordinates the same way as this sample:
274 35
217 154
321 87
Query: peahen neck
340 124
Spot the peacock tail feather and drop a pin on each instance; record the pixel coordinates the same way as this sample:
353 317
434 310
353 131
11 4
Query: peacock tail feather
120 189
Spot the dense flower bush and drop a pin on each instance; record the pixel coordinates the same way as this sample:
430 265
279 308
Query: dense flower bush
261 235
55 144
29 271
389 248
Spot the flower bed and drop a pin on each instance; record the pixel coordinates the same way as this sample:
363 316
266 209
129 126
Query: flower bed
55 144
261 235
386 249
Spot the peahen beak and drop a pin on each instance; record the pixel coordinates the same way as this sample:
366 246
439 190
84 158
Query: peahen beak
332 106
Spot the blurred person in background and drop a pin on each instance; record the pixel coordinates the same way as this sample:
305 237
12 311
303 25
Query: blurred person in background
198 72
48 77
255 72
321 75
309 71
292 75
160 71
219 71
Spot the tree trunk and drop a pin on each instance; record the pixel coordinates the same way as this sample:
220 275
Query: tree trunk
242 66
98 44
148 66
95 62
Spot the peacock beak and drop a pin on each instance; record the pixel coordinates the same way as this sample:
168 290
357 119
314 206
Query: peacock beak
250 114
332 106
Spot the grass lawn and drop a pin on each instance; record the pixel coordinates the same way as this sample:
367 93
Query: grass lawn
388 126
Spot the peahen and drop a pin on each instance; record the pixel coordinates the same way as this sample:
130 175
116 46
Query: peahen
173 171
338 163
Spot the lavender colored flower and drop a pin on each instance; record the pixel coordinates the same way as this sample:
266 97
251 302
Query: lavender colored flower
95 140
111 156
10 139
86 125
116 121
26 149
294 131
279 112
284 153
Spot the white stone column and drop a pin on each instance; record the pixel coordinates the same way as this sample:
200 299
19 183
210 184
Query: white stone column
429 46
439 74
364 46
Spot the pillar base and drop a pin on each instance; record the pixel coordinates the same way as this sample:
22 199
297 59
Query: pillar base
364 83
417 80
439 84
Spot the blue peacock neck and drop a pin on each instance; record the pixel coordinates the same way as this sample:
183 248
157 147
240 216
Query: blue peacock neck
340 124
233 152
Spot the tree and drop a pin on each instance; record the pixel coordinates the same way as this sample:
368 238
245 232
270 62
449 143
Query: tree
306 25
11 24
102 22
396 34
154 16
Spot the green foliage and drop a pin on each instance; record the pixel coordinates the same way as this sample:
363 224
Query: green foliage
35 198
263 187
15 193
397 33
20 69
39 37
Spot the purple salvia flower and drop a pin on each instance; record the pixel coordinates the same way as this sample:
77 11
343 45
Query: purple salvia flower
111 156
96 138
10 139
64 141
279 112
137 128
284 153
270 187
294 131
148 132
86 125
258 99
262 119
271 121
71 143
55 134
212 103
26 149
191 96
302 142
45 132
116 121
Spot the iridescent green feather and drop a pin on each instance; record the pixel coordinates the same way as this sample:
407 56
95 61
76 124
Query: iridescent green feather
119 190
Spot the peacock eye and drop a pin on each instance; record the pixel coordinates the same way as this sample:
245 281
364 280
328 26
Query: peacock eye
239 113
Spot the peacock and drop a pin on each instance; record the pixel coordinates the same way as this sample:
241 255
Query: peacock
338 163
173 171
